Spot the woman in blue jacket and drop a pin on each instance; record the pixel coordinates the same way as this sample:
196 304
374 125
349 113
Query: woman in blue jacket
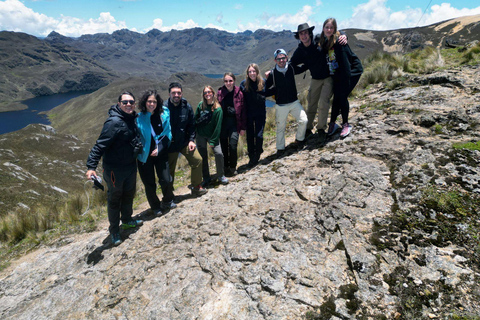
153 123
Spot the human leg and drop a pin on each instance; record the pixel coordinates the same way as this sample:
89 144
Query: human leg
251 138
232 149
147 175
259 127
313 97
217 151
299 114
326 93
281 114
164 177
195 161
202 145
172 165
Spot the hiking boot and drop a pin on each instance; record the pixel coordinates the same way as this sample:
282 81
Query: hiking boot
280 153
322 137
116 240
223 180
233 171
332 128
298 145
308 133
166 206
199 191
131 224
346 129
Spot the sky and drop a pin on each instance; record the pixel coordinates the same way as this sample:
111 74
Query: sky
76 17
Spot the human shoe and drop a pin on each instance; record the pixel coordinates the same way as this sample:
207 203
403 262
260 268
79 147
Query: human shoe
233 171
332 128
223 180
280 153
206 182
166 206
322 137
199 190
298 145
131 224
116 240
308 133
346 129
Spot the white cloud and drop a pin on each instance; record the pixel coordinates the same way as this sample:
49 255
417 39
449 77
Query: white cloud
15 16
282 22
238 6
375 15
219 18
158 24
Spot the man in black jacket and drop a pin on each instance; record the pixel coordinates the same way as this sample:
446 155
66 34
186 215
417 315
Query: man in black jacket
281 83
117 144
183 137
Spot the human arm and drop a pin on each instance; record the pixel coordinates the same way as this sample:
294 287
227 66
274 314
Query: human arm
104 141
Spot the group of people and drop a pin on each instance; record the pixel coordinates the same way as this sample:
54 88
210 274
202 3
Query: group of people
152 140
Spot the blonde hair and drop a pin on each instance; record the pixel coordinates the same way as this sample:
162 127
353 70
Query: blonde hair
215 105
248 82
330 42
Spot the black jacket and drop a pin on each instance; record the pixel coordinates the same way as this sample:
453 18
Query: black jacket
116 141
254 100
281 85
312 59
182 124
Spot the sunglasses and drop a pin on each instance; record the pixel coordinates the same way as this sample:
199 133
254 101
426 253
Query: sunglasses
125 102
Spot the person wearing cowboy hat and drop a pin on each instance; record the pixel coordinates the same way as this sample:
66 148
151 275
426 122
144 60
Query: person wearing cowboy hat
308 56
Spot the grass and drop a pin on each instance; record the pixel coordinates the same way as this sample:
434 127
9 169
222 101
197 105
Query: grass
467 145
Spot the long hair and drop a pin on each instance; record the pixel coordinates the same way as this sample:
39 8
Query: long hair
215 105
325 43
143 101
248 82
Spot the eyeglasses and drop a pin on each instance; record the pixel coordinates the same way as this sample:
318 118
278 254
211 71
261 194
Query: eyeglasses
207 92
125 102
281 59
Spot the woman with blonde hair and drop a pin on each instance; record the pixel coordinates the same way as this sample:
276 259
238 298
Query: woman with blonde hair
346 69
208 123
253 88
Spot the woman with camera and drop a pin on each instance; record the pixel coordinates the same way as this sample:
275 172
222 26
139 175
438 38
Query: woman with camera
208 123
153 124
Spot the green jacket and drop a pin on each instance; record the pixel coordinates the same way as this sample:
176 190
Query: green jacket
212 129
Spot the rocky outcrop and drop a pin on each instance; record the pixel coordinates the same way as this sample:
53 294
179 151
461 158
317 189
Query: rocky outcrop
350 230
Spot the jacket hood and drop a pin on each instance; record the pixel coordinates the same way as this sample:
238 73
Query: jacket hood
116 111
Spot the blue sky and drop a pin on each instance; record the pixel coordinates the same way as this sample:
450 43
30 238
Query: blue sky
77 17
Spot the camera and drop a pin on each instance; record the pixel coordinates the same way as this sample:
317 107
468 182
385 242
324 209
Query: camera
97 182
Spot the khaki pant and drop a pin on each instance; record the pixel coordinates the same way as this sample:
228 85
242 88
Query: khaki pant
281 114
319 96
194 160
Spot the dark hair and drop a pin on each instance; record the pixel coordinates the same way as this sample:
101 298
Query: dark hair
125 92
174 85
230 75
143 101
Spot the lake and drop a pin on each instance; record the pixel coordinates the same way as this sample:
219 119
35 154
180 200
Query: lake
15 120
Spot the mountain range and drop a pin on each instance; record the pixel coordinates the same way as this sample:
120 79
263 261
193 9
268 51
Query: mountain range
32 66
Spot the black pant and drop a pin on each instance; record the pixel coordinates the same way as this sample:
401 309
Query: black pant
147 174
229 142
340 98
255 127
121 183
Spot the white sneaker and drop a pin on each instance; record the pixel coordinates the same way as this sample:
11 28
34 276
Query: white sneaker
346 129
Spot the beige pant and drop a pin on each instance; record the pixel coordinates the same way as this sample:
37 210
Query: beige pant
319 96
281 114
194 160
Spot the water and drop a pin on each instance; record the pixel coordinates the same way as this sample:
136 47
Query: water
15 120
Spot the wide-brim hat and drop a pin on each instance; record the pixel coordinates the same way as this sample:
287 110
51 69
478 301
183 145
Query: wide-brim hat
302 27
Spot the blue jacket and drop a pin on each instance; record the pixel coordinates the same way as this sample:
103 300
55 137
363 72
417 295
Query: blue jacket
144 127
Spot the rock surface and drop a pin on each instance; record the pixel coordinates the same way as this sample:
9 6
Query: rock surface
317 234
